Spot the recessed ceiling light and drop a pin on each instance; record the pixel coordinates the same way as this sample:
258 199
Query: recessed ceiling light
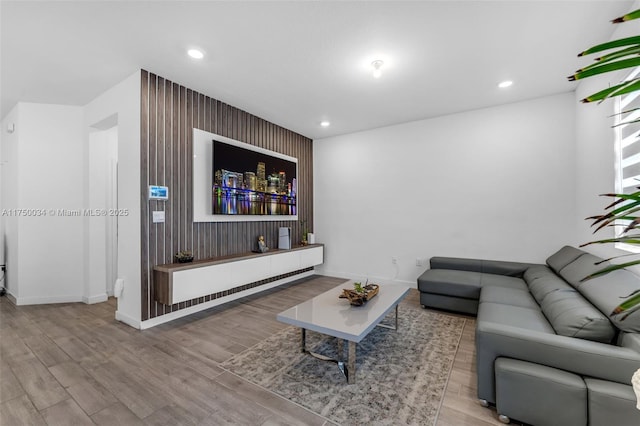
195 53
325 123
505 84
377 65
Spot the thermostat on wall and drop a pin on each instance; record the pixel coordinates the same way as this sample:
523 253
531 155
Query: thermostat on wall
158 192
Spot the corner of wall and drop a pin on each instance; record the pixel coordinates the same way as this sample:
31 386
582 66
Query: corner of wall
9 196
123 100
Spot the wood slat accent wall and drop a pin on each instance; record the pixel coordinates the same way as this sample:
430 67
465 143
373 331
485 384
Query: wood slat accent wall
169 112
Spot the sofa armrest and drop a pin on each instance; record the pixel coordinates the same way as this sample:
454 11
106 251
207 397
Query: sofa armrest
579 356
498 267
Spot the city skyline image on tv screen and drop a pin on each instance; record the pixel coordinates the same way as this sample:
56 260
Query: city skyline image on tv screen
251 182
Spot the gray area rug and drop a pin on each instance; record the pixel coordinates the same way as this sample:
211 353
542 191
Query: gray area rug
401 375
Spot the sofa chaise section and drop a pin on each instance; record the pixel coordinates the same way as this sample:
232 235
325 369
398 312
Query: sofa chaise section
544 334
454 284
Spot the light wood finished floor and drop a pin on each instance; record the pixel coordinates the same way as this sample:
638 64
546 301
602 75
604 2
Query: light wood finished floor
73 364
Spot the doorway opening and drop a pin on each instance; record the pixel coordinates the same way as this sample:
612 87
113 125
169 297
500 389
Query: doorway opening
103 211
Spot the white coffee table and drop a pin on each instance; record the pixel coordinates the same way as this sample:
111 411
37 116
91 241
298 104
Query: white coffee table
330 315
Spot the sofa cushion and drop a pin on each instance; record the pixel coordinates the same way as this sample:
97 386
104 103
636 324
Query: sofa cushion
563 257
449 303
508 296
611 403
537 271
492 280
572 315
456 263
608 291
464 284
523 388
582 267
604 292
629 340
542 281
450 282
515 316
499 267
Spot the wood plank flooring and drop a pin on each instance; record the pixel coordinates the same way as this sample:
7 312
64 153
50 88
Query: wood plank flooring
74 364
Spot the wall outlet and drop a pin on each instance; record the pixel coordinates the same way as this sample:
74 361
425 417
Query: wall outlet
394 260
419 261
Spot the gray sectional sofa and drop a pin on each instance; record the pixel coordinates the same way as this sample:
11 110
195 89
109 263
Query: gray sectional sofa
548 351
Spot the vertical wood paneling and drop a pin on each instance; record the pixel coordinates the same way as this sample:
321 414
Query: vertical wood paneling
167 167
169 112
174 177
153 168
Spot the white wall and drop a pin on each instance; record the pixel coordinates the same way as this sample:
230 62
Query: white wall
9 200
494 183
123 102
48 166
45 247
595 159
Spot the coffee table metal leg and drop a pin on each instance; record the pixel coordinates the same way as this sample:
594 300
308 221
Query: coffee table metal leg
351 369
391 327
396 317
303 341
348 370
340 360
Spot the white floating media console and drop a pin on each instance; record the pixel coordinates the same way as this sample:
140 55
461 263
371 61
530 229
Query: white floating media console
225 276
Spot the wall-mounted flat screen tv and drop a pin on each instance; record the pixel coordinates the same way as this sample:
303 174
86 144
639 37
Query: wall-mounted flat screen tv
252 181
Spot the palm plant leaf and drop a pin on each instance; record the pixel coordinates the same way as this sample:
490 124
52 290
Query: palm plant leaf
606 220
628 17
628 239
617 90
635 49
633 224
632 51
624 209
624 123
629 41
635 197
621 213
629 306
605 68
611 268
614 257
626 111
622 198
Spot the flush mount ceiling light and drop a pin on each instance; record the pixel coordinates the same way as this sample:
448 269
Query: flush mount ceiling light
377 65
325 123
195 53
505 84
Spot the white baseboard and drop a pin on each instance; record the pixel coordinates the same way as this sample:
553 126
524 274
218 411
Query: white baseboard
130 321
95 299
21 301
202 306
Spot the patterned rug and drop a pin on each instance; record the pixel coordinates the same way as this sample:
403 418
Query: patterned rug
400 375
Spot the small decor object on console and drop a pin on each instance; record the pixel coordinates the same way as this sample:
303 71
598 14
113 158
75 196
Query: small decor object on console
360 294
305 231
184 256
262 246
